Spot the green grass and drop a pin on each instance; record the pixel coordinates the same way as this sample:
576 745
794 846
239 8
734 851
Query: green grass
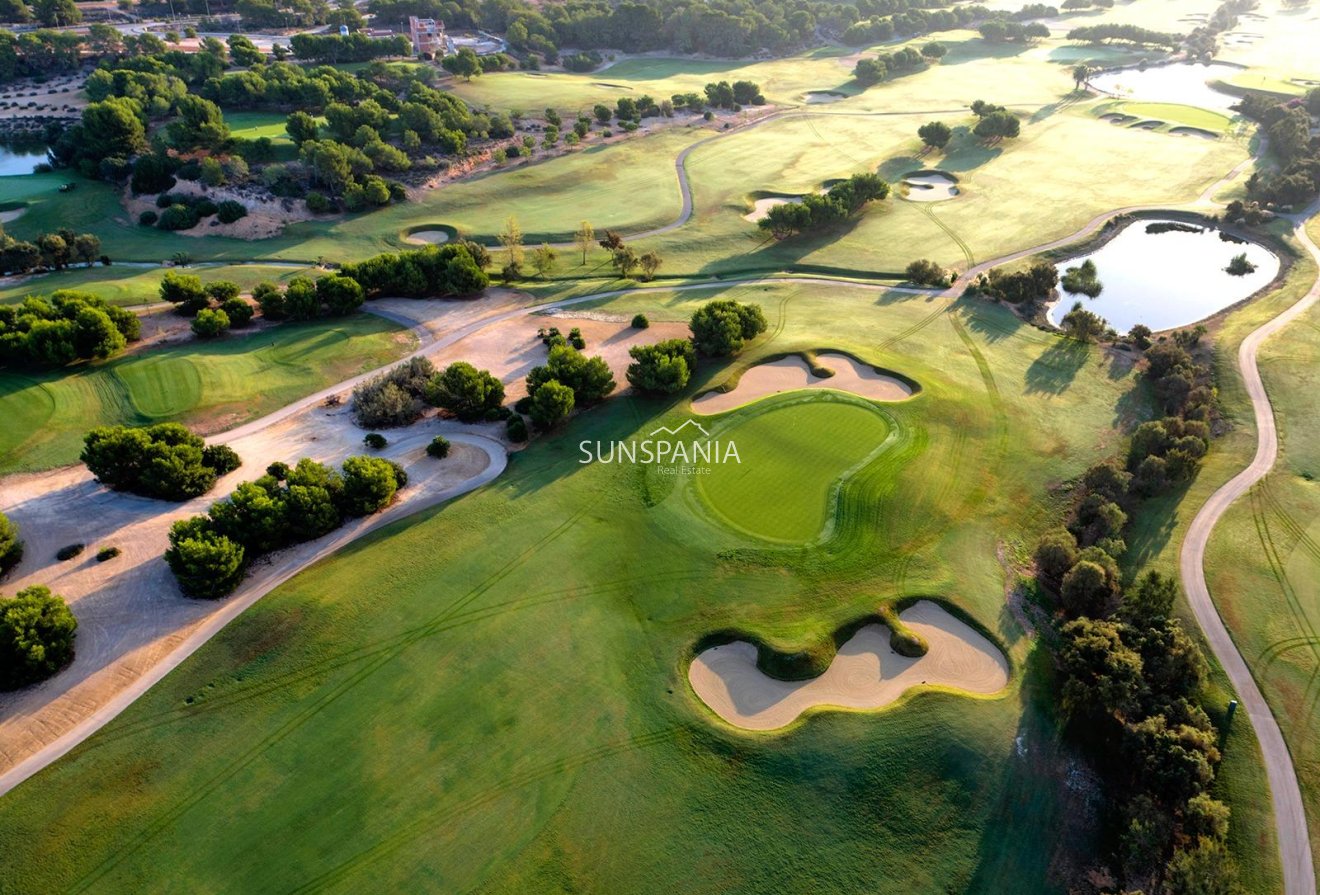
1173 114
790 458
214 384
538 631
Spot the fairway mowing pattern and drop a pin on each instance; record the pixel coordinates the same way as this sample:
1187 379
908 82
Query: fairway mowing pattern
792 457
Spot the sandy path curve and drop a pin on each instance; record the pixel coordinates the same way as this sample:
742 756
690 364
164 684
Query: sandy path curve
1289 809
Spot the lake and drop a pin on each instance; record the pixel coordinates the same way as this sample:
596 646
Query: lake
20 159
1181 82
1167 280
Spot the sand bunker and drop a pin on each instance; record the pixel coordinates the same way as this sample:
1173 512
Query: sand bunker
426 237
930 187
1194 132
792 373
824 96
761 207
866 673
12 214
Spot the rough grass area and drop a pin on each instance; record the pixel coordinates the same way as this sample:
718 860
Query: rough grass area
549 726
217 384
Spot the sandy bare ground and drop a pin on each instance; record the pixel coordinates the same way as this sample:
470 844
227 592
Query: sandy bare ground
929 188
132 620
266 217
792 373
427 237
761 207
866 673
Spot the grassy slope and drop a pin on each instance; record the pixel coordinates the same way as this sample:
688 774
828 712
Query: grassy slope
538 631
1264 563
230 380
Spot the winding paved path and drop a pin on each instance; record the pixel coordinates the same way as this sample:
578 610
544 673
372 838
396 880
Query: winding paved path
1289 810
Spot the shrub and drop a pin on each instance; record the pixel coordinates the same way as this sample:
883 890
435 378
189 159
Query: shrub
178 217
393 398
902 639
164 461
210 323
238 311
229 211
516 429
148 218
185 292
339 294
206 565
221 458
438 448
271 300
639 321
68 552
37 631
551 404
925 272
11 547
590 379
319 203
107 553
720 328
465 391
375 441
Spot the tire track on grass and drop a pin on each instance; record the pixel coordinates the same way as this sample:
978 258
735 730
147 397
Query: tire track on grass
289 727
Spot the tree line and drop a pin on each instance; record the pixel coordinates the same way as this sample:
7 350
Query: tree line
1132 679
210 555
66 326
1288 126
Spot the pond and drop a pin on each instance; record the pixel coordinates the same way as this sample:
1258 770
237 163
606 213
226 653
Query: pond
1181 82
1167 279
19 159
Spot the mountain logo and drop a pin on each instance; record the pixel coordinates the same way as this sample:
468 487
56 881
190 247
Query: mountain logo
684 449
678 430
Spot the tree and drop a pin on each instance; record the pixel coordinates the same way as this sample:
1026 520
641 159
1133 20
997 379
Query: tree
207 565
511 237
1081 73
465 64
1055 555
340 294
925 272
625 261
185 291
301 128
663 368
465 391
1083 325
869 72
720 328
56 13
200 124
1102 675
584 237
551 405
1204 867
650 262
11 547
996 126
544 259
936 134
369 484
589 378
1090 586
210 323
934 51
37 631
164 461
111 128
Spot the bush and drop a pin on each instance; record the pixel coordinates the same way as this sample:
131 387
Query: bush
185 292
663 368
107 553
516 429
393 398
148 218
210 323
164 461
238 311
369 484
589 378
551 404
339 294
11 547
66 553
639 321
902 639
229 211
37 631
221 458
720 328
925 272
465 391
375 441
438 448
178 217
206 565
319 203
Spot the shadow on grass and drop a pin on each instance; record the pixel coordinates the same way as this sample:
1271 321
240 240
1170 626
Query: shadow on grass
1054 371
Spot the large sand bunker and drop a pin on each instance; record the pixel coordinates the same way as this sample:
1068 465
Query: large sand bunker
427 237
929 187
865 674
792 373
823 96
761 207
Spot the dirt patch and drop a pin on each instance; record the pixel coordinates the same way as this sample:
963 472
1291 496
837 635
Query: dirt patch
266 216
58 98
792 373
866 673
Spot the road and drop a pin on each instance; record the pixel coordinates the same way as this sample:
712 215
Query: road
1289 810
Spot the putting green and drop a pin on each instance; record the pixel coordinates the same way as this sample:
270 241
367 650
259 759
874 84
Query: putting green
793 456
